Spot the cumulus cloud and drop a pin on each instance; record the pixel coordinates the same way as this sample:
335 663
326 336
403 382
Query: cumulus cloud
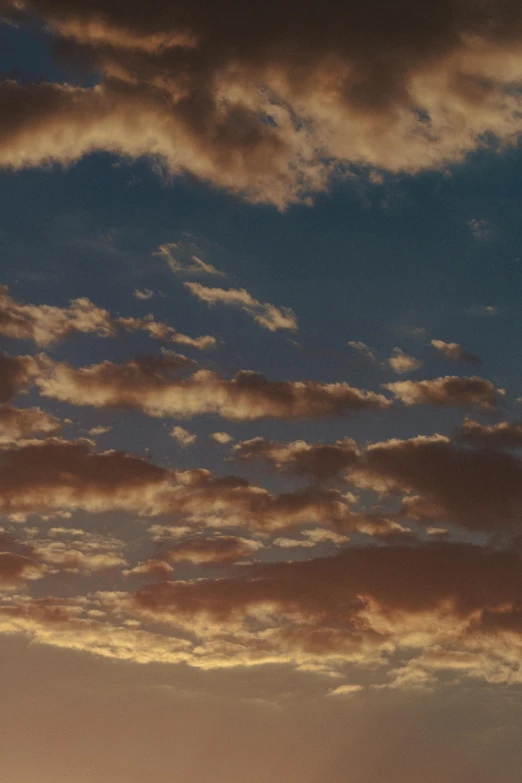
449 390
504 435
17 423
45 325
401 363
455 351
222 437
476 490
266 315
273 105
60 477
151 385
320 461
183 436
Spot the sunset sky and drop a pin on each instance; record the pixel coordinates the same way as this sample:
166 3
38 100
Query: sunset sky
260 396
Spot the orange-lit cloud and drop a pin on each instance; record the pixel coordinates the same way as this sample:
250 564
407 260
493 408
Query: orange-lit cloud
266 315
455 351
319 460
449 390
150 385
275 104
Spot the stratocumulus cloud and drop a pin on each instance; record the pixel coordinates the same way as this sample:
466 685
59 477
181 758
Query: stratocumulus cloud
271 106
447 391
153 386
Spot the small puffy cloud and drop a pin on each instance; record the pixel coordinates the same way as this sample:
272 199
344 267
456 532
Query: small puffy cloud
482 310
182 261
345 690
401 363
150 384
16 568
455 351
449 390
157 569
81 557
318 460
222 437
504 435
165 333
44 325
18 423
143 295
266 315
99 430
183 436
364 349
479 228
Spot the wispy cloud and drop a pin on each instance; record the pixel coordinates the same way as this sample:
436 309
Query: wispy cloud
175 254
266 315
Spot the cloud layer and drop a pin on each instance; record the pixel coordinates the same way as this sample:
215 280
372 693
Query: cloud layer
273 103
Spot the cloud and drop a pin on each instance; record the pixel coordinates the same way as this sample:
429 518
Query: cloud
151 385
442 609
449 390
176 253
482 310
59 556
18 423
321 461
345 690
45 325
354 608
16 373
274 105
479 228
40 477
222 437
60 477
364 349
218 551
455 351
143 295
158 569
99 430
504 435
401 363
183 436
160 331
15 568
266 315
476 490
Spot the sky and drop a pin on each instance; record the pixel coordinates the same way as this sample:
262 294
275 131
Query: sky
260 398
